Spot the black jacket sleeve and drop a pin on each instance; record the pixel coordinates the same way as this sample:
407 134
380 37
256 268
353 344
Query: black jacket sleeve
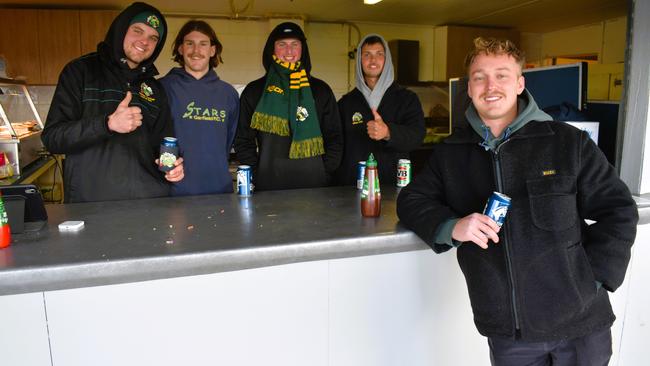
164 124
407 132
245 143
330 124
605 199
421 205
67 130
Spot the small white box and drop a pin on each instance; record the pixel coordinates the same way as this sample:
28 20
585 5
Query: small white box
71 225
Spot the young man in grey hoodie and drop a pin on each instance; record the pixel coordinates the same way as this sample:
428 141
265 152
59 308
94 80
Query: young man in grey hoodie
378 116
538 285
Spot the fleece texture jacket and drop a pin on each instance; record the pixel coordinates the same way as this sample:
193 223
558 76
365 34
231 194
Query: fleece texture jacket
205 114
102 165
538 282
268 154
527 110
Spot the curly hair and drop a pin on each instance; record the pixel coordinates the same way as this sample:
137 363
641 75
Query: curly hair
201 27
494 46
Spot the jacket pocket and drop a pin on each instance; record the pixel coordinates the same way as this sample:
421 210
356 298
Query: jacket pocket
487 285
553 204
558 287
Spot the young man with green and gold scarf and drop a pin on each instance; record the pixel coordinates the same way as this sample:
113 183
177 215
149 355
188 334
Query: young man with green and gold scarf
289 129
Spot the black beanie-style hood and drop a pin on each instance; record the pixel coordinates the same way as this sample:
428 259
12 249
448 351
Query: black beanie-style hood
113 44
286 30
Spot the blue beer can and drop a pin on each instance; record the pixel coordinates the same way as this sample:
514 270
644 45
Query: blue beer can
244 185
496 207
361 171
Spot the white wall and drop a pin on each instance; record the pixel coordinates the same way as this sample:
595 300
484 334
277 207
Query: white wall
329 43
607 39
631 303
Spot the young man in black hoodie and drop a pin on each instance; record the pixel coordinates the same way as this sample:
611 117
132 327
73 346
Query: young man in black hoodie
378 116
109 115
289 130
538 285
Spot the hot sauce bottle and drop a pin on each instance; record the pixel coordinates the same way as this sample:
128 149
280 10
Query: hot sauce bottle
5 232
370 193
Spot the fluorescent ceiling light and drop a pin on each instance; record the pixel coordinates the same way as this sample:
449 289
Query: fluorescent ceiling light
371 2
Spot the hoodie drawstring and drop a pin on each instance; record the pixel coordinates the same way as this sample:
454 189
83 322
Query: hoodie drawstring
486 145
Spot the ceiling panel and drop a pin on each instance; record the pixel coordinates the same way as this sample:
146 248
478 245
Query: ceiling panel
525 16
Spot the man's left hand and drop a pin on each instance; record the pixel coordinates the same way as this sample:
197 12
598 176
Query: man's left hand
377 129
177 174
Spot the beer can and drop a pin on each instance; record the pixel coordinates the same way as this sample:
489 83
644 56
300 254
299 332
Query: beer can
168 154
403 172
496 207
244 185
361 171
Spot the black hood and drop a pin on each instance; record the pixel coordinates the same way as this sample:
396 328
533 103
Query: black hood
113 45
286 30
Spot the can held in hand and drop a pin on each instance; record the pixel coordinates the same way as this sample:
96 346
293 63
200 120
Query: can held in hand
244 185
361 171
496 207
168 154
403 172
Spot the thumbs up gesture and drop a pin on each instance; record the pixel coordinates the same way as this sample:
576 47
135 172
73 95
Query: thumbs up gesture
125 119
377 129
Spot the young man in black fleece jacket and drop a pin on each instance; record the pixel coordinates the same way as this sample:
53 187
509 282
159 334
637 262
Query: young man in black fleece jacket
109 115
538 284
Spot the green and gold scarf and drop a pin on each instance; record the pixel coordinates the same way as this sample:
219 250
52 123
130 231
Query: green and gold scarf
287 106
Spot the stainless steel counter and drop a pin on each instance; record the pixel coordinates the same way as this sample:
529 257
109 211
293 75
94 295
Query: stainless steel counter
129 241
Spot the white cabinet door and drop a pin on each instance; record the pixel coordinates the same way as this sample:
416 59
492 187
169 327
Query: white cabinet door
23 331
266 316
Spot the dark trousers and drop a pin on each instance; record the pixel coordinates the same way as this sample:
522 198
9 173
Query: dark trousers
594 349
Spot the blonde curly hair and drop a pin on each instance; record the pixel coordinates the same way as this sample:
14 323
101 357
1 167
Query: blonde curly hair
494 46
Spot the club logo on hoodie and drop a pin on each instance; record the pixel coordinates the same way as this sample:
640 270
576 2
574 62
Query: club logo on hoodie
146 93
204 114
357 118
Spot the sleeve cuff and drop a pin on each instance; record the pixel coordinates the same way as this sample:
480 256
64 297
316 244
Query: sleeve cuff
443 233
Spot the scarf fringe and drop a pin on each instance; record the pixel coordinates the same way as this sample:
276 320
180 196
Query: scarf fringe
307 148
269 123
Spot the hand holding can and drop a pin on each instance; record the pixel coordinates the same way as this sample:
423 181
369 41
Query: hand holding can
496 207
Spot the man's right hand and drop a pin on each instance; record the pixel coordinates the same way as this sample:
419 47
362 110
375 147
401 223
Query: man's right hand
125 119
476 228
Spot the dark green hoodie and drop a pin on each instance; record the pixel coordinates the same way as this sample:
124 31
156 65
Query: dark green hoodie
527 111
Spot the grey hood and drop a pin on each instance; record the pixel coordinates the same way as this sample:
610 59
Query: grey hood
527 111
373 97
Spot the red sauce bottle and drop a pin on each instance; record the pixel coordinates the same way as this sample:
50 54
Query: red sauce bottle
5 232
371 194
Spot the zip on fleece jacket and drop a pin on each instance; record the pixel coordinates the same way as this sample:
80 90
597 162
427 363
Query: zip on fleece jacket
506 244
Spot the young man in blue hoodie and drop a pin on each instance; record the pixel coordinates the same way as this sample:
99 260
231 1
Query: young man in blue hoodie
205 110
538 285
